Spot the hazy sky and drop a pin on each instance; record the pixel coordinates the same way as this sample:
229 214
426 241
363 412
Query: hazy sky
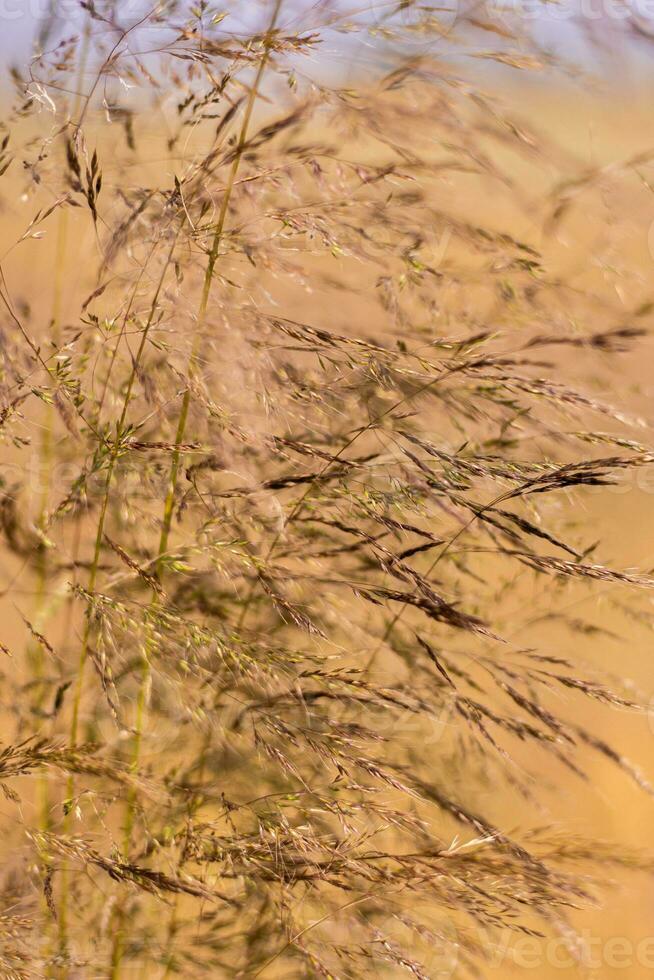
559 25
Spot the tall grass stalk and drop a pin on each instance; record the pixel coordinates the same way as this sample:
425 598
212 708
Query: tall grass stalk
180 434
113 454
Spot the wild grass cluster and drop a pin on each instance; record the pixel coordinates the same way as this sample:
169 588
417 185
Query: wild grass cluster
297 456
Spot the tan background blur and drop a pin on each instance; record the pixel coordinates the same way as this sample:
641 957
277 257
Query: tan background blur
596 131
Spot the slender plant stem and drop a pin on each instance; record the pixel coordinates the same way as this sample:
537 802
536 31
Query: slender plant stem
208 277
35 650
169 503
86 636
45 461
46 443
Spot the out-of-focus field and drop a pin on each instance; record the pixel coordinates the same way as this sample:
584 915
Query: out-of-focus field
601 132
590 132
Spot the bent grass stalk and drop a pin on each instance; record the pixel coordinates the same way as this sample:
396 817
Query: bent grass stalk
45 461
46 443
47 433
86 636
118 945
